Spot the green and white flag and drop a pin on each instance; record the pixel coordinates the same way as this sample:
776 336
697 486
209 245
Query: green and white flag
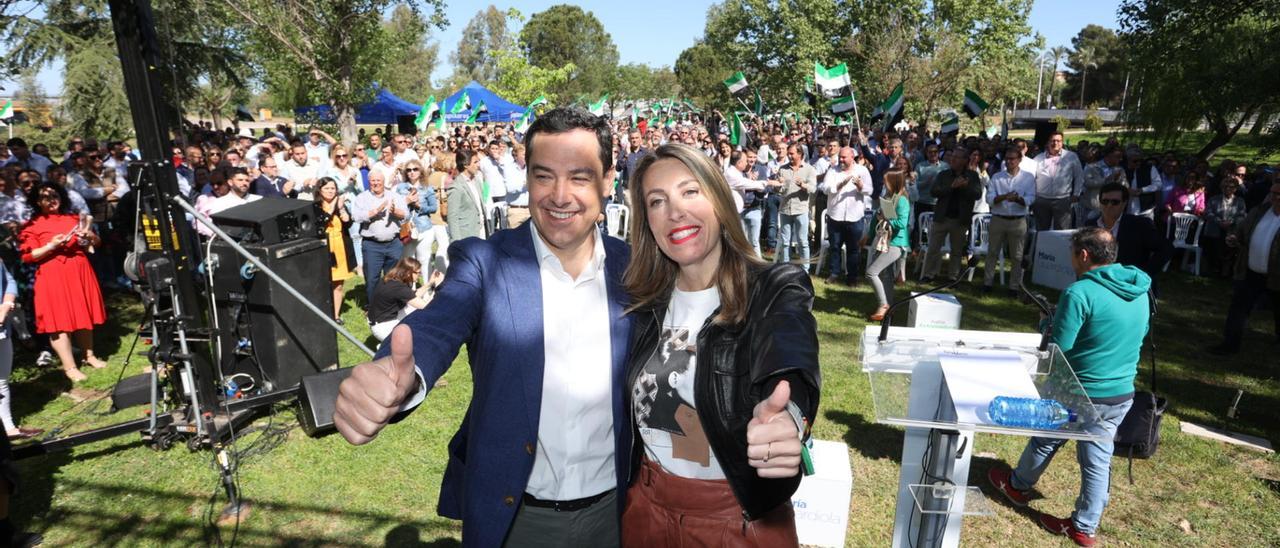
6 112
688 105
951 124
441 124
426 114
973 105
475 112
842 105
737 131
541 100
597 108
737 84
832 81
759 106
526 120
892 108
463 103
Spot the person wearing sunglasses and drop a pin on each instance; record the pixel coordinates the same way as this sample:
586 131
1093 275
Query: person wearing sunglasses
1139 243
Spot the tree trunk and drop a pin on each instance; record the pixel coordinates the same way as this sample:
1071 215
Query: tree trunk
347 129
1083 76
1223 132
1264 118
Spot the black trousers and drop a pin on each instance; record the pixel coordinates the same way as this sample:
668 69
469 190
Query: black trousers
1245 295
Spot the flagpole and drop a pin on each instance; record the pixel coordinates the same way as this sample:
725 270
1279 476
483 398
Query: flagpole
857 123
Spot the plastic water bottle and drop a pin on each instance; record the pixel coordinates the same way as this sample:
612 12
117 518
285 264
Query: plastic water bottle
1029 413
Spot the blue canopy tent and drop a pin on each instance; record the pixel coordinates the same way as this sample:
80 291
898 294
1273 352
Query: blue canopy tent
499 110
384 109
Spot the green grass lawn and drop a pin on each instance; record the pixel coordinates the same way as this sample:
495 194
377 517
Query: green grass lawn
1242 148
324 492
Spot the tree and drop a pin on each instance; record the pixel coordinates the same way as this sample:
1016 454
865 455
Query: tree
639 81
1085 59
477 55
520 82
408 72
1059 54
701 70
937 49
1098 54
566 34
1210 63
79 32
776 42
338 45
35 102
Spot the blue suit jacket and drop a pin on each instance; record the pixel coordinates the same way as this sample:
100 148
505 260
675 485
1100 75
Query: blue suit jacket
491 301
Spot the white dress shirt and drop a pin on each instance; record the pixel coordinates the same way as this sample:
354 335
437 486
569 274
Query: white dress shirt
1260 242
1058 176
301 173
209 205
1024 183
575 451
491 174
740 184
848 204
382 226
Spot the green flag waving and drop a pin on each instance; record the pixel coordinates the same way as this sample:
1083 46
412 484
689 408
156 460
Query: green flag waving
475 112
426 113
737 131
973 105
463 103
597 108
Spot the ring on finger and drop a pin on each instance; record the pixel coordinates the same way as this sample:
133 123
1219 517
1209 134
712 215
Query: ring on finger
768 451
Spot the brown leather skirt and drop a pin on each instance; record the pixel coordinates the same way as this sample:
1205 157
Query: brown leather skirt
668 510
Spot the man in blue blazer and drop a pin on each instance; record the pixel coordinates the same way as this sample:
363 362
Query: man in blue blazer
541 456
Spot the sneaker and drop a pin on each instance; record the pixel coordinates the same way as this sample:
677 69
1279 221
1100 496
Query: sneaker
45 359
1001 479
1064 527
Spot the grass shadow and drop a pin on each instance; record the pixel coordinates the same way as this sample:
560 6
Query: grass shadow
873 440
409 536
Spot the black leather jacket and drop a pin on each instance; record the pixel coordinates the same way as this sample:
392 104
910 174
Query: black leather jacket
738 366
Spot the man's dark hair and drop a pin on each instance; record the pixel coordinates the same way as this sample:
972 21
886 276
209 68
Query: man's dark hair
1098 242
16 142
232 171
735 156
1058 133
463 157
1114 187
565 119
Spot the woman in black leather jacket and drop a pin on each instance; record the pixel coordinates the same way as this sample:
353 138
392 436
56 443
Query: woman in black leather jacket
723 381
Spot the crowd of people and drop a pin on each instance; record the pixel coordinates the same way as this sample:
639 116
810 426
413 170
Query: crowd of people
708 214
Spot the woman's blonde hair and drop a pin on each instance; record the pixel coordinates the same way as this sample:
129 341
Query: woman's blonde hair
651 276
895 183
422 172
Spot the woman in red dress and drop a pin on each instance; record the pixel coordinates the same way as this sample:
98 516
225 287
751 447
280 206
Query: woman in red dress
68 302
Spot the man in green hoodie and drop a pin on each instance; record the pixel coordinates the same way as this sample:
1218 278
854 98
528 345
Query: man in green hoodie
1099 325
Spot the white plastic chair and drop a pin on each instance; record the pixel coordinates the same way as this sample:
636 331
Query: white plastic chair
617 220
1184 231
980 243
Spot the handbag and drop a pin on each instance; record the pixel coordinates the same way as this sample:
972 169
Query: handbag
883 233
1138 435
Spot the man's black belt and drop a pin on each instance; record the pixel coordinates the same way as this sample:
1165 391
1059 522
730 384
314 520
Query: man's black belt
1010 217
565 505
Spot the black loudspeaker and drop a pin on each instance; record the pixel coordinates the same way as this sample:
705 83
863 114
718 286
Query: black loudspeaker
131 391
1043 131
405 125
269 221
317 399
265 332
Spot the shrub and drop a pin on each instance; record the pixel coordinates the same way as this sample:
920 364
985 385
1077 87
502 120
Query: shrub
1062 122
1092 122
